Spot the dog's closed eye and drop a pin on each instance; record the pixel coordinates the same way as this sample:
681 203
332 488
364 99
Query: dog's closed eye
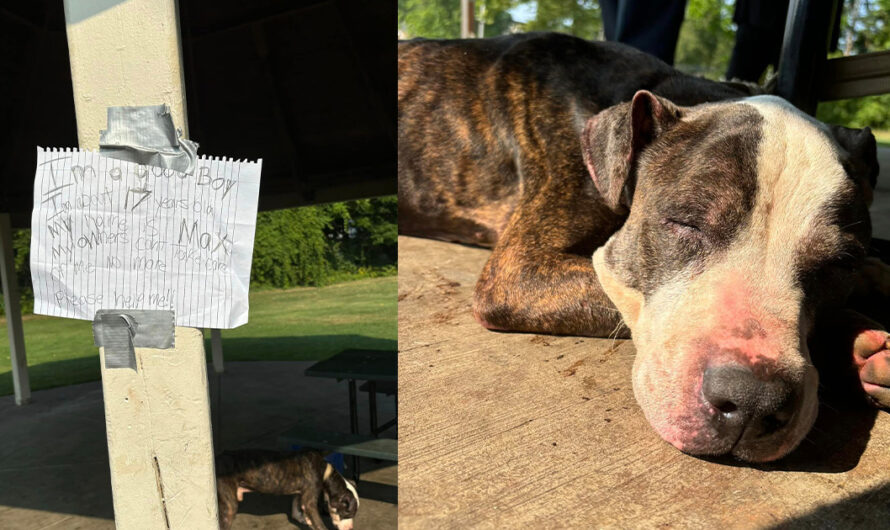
682 227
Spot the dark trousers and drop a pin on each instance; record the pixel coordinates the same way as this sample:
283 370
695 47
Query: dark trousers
758 39
652 26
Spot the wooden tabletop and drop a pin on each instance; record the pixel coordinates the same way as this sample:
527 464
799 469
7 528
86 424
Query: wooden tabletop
371 365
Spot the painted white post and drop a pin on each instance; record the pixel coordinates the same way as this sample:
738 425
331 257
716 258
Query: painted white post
158 417
157 420
20 382
125 54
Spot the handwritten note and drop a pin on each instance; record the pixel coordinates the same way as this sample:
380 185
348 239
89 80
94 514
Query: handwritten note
111 234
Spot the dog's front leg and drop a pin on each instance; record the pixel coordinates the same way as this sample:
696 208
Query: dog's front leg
540 276
544 292
227 502
296 511
852 353
308 506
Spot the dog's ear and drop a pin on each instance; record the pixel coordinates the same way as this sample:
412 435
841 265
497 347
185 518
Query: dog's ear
860 145
613 139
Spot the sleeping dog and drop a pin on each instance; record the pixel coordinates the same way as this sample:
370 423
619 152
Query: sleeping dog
727 230
305 475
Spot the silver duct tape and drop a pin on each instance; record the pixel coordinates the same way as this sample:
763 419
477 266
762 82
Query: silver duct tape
120 332
146 135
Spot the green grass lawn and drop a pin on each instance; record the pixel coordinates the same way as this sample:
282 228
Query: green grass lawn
306 323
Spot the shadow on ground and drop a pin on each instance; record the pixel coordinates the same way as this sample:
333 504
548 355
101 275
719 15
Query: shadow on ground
54 461
306 348
870 509
56 373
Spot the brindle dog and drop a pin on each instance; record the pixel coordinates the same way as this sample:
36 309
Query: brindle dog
305 475
727 231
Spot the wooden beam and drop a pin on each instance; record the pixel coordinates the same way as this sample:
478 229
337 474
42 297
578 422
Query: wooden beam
126 54
856 76
157 417
467 24
20 381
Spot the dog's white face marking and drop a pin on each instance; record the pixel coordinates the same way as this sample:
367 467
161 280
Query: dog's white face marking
341 524
354 492
744 304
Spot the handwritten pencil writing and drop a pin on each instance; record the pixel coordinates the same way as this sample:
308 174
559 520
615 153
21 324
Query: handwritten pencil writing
111 234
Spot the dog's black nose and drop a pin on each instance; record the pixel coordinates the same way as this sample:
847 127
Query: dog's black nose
744 402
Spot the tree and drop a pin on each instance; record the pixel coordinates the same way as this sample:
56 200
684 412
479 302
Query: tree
706 38
440 19
865 27
433 19
290 248
581 18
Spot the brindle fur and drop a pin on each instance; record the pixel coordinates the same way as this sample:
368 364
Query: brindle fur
498 141
280 473
489 140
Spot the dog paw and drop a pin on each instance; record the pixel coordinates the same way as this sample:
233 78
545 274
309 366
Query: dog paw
871 357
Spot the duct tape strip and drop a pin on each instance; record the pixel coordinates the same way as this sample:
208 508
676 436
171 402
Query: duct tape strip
146 135
120 332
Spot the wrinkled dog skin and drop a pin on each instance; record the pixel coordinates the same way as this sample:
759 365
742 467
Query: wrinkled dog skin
726 228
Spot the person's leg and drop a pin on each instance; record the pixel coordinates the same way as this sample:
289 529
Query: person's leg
758 39
609 12
652 26
750 55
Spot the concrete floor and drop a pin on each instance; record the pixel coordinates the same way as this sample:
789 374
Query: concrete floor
54 460
510 430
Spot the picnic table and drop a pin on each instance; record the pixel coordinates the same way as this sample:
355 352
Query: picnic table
375 367
366 365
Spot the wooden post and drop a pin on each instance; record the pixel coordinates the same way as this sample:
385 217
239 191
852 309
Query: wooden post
20 382
467 29
158 417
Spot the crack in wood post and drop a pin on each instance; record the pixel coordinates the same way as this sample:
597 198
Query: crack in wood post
160 484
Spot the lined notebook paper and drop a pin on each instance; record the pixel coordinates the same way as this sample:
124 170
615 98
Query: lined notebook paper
111 234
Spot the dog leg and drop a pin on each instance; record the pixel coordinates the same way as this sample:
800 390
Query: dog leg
544 293
864 364
296 511
540 276
309 505
871 357
227 502
871 348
